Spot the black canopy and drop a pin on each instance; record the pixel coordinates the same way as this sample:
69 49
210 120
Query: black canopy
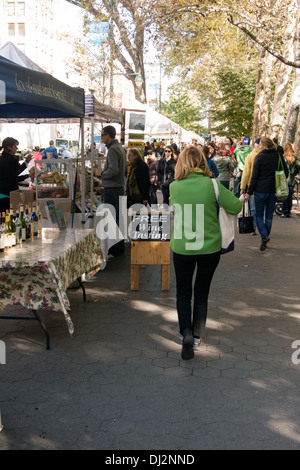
30 95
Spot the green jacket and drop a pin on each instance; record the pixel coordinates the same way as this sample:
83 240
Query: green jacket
240 155
225 166
196 225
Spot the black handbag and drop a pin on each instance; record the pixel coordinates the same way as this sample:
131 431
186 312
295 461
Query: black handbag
246 224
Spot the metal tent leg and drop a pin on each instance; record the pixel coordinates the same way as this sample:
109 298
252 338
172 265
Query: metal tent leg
44 328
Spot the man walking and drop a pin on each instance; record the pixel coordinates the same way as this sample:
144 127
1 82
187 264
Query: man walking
113 178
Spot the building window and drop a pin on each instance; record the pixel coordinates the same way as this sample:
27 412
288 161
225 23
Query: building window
21 29
21 46
11 29
10 8
21 8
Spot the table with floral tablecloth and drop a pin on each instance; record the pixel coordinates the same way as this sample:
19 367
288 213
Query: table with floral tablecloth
37 274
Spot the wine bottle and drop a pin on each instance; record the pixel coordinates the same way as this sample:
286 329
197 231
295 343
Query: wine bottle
40 222
28 223
12 228
22 223
6 230
34 224
2 233
18 229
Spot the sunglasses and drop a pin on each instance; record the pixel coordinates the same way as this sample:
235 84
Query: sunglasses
168 151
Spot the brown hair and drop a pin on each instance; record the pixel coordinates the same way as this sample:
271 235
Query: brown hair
135 153
268 143
189 159
289 152
9 142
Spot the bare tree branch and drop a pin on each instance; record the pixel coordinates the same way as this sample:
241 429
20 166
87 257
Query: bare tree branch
260 43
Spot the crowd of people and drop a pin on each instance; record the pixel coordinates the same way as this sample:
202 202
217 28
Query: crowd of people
242 172
184 178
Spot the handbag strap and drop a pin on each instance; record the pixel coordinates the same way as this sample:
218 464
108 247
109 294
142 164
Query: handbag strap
216 188
280 164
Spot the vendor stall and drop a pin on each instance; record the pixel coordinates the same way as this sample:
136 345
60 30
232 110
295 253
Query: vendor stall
30 95
38 273
43 269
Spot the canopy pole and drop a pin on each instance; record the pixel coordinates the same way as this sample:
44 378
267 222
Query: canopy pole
82 182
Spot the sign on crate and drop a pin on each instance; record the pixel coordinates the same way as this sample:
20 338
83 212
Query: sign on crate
150 226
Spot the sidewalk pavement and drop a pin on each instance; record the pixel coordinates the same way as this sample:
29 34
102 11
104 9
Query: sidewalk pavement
120 384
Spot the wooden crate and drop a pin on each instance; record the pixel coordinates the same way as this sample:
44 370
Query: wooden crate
150 252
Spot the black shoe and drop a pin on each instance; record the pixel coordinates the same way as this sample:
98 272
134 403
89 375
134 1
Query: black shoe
264 242
187 344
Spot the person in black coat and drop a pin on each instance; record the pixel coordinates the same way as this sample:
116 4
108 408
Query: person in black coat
166 172
10 169
262 184
152 165
138 180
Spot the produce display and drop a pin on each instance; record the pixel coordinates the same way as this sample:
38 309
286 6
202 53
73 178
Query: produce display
52 185
53 178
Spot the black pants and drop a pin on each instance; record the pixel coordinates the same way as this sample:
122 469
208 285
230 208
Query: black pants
184 270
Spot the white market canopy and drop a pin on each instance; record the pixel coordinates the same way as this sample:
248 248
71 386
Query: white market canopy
12 53
189 136
157 125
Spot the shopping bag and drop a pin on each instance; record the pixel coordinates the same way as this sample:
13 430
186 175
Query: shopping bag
282 189
226 222
245 222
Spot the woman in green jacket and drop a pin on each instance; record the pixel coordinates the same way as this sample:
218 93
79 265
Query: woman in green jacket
195 241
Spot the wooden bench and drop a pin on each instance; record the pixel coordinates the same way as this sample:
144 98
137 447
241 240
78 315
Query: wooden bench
150 252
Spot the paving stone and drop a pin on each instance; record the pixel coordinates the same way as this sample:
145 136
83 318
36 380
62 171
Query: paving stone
120 383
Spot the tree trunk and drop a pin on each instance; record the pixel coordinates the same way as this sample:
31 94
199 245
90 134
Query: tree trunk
294 103
297 139
283 77
279 102
262 95
293 111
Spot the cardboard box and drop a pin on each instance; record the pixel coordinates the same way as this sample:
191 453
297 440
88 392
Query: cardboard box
25 197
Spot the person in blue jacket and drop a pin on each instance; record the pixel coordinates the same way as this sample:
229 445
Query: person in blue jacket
211 164
50 150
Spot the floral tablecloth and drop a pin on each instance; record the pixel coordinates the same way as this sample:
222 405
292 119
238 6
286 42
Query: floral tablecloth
37 274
